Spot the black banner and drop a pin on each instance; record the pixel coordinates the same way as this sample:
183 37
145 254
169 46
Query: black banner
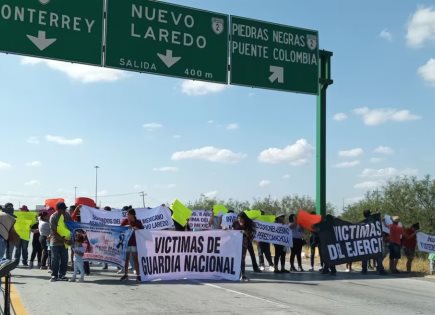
343 242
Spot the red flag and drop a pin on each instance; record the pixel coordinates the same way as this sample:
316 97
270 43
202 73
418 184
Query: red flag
307 220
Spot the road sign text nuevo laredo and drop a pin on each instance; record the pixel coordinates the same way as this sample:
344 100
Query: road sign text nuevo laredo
273 56
70 30
160 38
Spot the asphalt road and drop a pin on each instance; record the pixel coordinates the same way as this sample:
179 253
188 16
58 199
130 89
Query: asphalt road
265 293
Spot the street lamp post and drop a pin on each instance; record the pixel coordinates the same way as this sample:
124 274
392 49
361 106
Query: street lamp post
96 183
75 193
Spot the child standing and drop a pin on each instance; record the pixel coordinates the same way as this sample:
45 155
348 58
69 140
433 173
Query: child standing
79 251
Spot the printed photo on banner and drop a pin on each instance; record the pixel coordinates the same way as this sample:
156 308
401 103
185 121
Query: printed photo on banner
273 233
200 220
158 218
171 255
103 243
426 242
344 242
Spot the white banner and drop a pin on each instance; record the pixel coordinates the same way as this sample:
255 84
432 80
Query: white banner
426 242
200 220
171 255
152 219
228 220
273 233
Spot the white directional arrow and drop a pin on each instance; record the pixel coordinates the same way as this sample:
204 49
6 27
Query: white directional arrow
277 74
168 59
41 41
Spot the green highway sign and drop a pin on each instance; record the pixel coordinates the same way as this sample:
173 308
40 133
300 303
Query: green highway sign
273 56
160 38
70 30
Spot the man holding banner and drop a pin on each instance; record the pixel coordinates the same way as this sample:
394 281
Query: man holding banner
132 222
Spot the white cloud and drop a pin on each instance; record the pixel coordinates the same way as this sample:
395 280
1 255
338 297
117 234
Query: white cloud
152 126
176 136
385 34
264 183
295 154
377 116
384 150
211 194
421 27
63 141
197 88
385 173
33 140
4 166
351 153
209 153
32 183
165 169
340 117
347 164
376 160
368 185
427 72
286 176
232 126
33 164
82 73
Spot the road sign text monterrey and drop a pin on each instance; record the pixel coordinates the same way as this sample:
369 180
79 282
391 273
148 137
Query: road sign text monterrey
57 29
273 56
160 38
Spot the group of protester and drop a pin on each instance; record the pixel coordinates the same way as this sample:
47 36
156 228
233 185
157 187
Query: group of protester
50 246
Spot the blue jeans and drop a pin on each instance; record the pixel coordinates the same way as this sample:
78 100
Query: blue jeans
59 261
22 249
78 266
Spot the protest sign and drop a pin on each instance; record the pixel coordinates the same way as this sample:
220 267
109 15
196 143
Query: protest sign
200 220
273 233
103 242
152 219
228 220
343 242
426 242
219 210
180 213
23 223
171 255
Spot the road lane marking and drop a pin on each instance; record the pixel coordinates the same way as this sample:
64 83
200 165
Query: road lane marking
243 294
16 303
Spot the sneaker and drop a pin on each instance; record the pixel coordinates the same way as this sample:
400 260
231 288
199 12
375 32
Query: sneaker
30 265
72 280
53 279
301 269
258 270
44 268
124 277
63 278
284 271
311 269
262 268
271 268
293 269
347 270
81 280
244 279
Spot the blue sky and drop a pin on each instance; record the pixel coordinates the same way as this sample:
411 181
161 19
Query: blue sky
174 138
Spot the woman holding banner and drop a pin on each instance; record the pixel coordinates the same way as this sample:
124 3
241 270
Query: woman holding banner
245 224
132 222
298 234
279 249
